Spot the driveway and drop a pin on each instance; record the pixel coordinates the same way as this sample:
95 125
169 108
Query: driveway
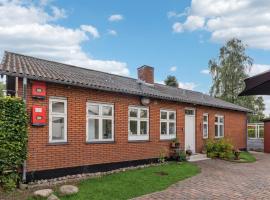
223 180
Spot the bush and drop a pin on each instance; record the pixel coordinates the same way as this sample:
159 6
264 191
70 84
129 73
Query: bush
13 140
182 156
219 148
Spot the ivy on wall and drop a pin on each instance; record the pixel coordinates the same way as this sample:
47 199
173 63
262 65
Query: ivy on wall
13 140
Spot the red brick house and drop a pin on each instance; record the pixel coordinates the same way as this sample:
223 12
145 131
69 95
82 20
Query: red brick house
87 121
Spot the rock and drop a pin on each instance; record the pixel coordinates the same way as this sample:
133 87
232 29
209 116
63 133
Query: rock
43 193
23 186
53 197
68 189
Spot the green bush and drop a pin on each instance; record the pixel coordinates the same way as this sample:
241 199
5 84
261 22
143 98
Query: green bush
219 148
13 140
182 156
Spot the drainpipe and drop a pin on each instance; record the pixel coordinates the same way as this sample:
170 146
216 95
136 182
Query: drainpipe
25 101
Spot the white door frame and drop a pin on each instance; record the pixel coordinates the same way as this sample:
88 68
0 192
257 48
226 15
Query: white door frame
194 134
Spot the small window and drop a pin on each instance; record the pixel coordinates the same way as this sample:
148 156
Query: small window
100 122
190 112
219 126
205 125
138 123
167 124
57 120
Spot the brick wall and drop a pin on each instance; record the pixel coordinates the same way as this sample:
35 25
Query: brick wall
42 155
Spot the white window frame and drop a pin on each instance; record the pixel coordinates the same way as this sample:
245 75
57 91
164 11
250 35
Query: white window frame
218 123
55 114
132 137
100 118
168 121
206 123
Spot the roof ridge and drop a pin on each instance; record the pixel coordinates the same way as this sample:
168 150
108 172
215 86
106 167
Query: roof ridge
70 65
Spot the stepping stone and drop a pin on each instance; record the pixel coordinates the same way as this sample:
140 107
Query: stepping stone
68 189
43 193
53 197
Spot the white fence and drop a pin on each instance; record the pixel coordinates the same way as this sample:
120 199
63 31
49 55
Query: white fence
255 130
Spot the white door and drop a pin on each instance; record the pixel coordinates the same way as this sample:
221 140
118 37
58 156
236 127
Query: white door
190 129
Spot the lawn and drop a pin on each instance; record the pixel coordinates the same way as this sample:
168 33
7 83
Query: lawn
245 157
134 183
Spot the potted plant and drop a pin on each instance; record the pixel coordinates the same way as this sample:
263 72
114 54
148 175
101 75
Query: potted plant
236 154
175 143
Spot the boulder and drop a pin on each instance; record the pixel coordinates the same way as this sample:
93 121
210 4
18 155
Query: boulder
68 190
43 193
53 197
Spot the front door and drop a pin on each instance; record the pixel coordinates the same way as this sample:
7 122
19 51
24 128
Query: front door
190 129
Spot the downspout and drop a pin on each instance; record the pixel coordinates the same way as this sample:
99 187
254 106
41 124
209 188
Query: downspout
24 95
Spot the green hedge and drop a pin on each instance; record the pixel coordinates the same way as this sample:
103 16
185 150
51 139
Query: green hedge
13 140
219 148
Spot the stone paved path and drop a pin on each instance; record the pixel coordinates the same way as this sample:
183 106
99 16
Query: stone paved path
222 180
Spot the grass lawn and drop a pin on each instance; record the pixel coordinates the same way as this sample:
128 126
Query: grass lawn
245 157
134 183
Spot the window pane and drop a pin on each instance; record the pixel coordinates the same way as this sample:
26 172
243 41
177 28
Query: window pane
58 128
221 120
107 110
163 115
172 115
58 107
93 129
172 128
163 128
251 131
93 110
216 130
133 127
261 131
133 112
143 114
221 130
205 130
189 112
107 129
143 130
205 118
216 119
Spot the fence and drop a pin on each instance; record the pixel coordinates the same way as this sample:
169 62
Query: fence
255 136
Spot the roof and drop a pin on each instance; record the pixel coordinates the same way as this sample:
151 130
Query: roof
14 64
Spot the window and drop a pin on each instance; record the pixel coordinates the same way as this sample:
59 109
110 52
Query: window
219 126
167 124
138 118
57 120
100 122
205 125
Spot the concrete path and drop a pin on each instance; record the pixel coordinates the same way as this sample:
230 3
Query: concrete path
223 180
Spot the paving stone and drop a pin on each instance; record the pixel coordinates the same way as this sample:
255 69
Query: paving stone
68 189
222 180
53 197
43 193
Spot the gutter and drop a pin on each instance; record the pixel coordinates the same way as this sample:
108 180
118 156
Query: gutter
24 96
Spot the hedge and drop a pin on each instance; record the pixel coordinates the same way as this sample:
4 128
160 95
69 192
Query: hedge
13 140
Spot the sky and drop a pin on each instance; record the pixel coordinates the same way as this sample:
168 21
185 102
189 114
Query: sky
176 37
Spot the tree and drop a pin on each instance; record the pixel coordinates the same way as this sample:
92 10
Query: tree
228 74
171 81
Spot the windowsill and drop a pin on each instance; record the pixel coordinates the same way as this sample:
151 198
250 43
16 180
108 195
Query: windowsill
205 138
167 137
138 141
57 143
100 142
219 137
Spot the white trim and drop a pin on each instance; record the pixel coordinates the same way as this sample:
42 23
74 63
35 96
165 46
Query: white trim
138 119
100 118
207 123
167 121
55 114
218 123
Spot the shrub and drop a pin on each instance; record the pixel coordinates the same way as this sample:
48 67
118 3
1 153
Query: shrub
219 148
13 140
182 156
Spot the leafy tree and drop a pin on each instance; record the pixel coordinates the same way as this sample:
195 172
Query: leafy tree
171 81
228 74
